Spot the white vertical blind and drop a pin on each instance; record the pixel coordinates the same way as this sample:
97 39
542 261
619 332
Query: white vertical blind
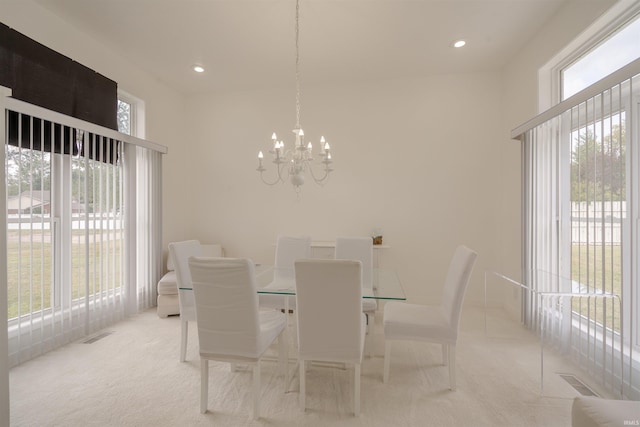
69 254
149 225
4 344
542 152
580 195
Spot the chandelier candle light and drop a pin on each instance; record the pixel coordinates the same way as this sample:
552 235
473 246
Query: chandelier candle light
295 162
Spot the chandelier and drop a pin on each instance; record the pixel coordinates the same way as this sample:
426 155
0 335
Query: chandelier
295 162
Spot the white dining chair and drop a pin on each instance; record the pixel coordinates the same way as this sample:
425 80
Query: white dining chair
437 324
334 335
231 328
288 250
361 249
180 253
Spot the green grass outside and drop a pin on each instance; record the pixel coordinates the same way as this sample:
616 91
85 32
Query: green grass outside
29 265
30 271
588 262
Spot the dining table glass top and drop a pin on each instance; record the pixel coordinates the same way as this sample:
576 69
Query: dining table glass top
386 284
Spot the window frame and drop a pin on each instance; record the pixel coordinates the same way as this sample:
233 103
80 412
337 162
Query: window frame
550 74
136 113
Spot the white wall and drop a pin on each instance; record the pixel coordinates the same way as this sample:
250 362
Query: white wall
417 158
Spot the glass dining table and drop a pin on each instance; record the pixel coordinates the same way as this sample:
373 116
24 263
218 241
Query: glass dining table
386 284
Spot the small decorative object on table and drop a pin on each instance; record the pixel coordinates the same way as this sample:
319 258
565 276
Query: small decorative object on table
376 235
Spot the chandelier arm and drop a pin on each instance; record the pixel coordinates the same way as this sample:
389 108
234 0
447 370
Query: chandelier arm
270 183
324 177
279 178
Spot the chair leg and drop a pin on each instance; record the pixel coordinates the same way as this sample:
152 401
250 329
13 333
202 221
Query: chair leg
452 367
371 329
283 356
387 359
204 384
303 390
184 331
356 397
445 354
256 390
293 326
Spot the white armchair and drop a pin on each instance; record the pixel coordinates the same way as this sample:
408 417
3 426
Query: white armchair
168 303
587 411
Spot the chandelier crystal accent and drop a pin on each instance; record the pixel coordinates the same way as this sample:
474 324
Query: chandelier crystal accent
293 163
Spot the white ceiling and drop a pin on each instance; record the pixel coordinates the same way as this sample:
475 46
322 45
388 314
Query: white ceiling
250 43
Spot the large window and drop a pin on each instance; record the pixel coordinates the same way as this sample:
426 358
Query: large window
582 210
43 187
65 237
581 238
83 225
600 176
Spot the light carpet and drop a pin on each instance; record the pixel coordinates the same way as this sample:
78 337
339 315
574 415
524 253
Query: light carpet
133 377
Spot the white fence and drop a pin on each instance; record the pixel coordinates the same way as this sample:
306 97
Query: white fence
597 223
37 222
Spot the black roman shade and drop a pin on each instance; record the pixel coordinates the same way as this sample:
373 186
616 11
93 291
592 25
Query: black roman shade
39 75
40 135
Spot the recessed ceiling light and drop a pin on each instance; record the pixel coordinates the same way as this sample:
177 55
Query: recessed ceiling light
198 68
459 43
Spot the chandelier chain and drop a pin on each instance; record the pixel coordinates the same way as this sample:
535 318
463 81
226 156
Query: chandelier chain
297 65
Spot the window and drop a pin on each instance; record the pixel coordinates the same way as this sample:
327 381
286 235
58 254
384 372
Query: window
581 217
581 238
73 267
131 115
65 227
124 117
600 177
617 51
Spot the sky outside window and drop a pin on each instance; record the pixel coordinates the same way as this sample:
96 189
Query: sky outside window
619 50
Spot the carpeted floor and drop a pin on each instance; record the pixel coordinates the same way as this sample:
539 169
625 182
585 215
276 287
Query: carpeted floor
132 377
